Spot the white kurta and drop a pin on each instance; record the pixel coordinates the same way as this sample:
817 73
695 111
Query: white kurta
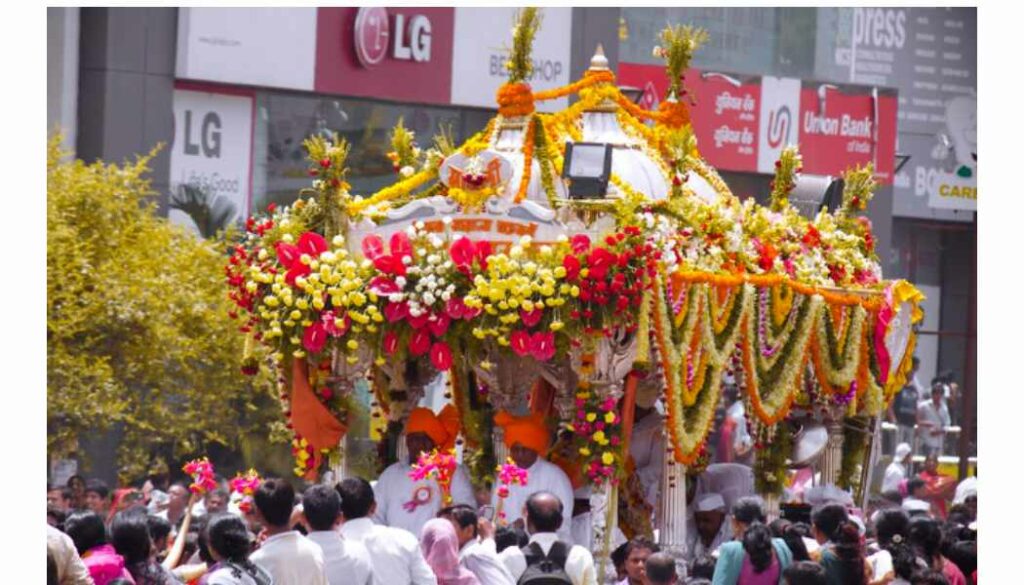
894 474
543 477
647 446
407 504
480 557
291 559
395 553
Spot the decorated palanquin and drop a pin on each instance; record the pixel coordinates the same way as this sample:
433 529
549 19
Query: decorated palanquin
498 265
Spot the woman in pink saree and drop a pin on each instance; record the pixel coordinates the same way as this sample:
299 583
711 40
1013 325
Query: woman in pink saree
440 546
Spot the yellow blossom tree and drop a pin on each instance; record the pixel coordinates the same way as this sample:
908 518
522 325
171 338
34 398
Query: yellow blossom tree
138 332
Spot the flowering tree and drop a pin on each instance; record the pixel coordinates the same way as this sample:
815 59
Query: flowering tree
138 332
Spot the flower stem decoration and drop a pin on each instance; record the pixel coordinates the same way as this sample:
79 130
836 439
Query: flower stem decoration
201 471
858 189
509 474
439 466
327 167
787 169
520 64
246 486
597 430
678 44
404 153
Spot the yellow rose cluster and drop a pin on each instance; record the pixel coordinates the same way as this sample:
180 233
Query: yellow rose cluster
524 288
292 311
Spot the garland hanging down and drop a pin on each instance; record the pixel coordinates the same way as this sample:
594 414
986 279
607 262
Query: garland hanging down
781 327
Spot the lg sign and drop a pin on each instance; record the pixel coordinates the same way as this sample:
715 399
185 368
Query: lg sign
375 38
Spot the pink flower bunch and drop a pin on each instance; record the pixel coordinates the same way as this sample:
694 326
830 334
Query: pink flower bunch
510 474
201 471
439 466
246 485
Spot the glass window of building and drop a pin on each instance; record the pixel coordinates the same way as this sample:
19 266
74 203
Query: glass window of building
285 120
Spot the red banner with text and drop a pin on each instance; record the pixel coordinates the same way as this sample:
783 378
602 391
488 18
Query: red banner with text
743 122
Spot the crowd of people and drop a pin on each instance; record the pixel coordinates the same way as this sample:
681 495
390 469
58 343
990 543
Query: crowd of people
400 531
922 414
327 535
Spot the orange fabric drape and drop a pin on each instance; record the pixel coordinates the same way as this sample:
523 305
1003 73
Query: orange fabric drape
310 418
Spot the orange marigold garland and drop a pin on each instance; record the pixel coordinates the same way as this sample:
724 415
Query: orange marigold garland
528 144
515 99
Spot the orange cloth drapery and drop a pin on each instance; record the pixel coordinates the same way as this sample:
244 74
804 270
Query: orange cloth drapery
310 418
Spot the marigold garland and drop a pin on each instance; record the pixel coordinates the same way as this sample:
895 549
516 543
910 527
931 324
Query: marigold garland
688 428
528 146
400 189
590 79
515 100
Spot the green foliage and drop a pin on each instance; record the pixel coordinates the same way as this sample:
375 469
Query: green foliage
678 43
786 170
858 188
210 213
520 63
138 332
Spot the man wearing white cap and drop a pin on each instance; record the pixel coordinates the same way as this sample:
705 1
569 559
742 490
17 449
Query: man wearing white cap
897 470
713 527
647 444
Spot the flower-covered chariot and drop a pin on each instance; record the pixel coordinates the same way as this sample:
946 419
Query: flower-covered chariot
562 262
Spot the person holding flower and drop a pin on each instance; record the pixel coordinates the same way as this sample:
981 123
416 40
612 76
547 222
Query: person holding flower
405 503
527 438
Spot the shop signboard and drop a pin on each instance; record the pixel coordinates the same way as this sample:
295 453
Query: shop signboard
212 151
930 56
266 47
742 123
402 54
481 44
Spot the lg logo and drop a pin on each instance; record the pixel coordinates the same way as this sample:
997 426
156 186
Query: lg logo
373 37
779 123
209 135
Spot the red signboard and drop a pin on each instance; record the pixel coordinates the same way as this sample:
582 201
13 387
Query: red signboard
840 131
389 53
727 119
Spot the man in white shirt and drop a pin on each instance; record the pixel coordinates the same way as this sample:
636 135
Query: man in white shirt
896 472
527 438
394 553
407 504
477 550
932 420
712 526
544 516
289 557
345 561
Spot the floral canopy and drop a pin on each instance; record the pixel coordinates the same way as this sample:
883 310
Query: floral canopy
478 263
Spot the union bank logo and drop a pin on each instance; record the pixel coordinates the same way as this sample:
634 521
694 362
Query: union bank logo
377 38
780 121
